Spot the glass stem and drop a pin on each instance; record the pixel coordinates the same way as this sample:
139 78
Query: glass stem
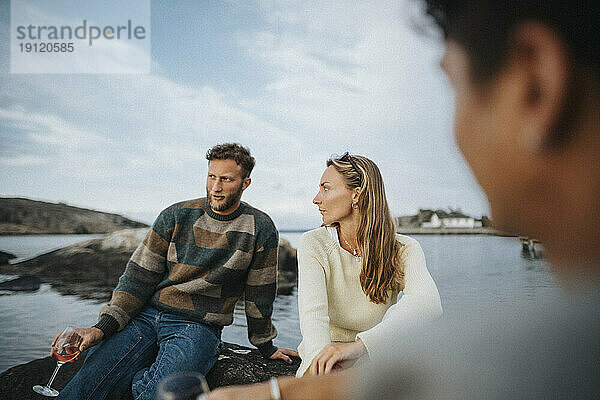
58 365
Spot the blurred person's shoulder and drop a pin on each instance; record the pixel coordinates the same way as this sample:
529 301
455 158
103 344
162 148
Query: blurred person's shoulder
546 349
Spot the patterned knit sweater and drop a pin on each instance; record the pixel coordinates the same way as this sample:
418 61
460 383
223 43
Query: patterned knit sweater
197 263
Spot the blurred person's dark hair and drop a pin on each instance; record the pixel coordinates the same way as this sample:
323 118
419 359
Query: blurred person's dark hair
485 29
233 151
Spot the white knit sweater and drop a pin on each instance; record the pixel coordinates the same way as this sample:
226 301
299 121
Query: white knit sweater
333 307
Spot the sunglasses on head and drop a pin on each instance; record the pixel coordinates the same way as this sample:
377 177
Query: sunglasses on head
347 157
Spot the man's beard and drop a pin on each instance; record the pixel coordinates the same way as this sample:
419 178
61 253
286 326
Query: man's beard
228 202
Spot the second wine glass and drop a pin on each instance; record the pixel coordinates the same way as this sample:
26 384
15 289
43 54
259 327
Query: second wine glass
183 386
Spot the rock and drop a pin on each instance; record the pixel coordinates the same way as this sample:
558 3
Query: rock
288 268
20 216
16 383
241 365
4 257
236 365
92 268
22 283
89 269
287 259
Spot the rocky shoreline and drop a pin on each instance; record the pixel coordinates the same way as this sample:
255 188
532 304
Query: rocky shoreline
92 268
236 365
6 257
19 216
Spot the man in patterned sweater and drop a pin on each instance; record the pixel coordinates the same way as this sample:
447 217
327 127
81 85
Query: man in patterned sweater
180 288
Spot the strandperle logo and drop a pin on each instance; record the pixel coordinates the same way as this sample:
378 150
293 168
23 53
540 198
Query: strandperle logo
80 37
81 32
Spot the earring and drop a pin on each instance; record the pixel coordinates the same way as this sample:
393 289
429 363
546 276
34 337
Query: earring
530 139
354 205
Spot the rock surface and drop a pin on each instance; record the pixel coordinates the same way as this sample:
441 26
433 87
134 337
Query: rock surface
287 262
236 365
4 257
92 268
23 216
23 283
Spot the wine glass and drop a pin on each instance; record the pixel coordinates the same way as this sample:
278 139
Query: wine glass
183 386
65 349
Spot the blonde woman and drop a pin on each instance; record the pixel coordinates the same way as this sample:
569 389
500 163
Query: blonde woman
355 274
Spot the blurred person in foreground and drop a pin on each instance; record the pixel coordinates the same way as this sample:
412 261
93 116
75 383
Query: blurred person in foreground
526 76
180 287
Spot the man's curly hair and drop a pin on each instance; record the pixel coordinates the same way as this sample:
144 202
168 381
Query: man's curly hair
233 151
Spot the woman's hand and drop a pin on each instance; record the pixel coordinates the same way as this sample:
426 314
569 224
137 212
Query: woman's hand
336 356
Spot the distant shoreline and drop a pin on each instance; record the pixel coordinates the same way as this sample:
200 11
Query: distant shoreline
432 231
52 233
453 231
21 216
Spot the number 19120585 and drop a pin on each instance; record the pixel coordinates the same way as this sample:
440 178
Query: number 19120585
46 47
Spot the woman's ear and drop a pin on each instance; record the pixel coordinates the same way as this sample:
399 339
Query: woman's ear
542 60
355 195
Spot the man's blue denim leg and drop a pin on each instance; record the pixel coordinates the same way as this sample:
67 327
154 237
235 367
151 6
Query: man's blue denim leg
110 365
183 346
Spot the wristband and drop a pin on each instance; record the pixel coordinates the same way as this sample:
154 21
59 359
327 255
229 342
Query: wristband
274 386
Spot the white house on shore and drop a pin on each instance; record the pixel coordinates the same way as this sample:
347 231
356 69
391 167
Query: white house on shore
452 219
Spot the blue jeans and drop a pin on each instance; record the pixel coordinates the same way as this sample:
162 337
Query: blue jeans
152 346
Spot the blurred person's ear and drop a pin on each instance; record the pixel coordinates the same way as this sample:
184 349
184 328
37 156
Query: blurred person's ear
542 70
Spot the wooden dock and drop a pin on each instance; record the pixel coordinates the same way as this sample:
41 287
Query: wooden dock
529 246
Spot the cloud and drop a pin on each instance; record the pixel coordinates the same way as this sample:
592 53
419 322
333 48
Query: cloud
130 131
23 160
343 70
334 78
50 129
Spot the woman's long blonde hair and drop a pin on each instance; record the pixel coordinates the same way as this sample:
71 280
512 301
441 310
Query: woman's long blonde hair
382 268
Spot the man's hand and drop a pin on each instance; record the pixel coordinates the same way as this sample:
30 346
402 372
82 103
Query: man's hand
88 337
330 387
257 391
336 356
283 353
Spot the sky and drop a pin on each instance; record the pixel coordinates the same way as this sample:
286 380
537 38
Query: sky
296 82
